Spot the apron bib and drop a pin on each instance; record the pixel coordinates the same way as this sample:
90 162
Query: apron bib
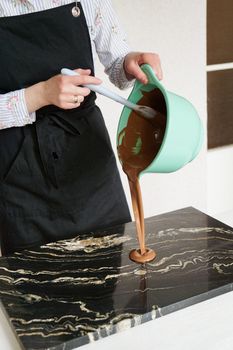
58 176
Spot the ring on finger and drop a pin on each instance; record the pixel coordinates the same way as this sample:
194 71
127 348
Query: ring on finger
76 99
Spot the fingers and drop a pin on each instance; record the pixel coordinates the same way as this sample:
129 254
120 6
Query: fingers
76 100
79 100
73 101
83 79
72 90
154 61
68 105
83 71
134 60
79 91
136 71
77 97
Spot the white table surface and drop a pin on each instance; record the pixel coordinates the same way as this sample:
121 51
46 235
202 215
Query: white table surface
204 326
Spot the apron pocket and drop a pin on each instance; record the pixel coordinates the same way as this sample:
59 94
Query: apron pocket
75 128
80 152
59 144
11 153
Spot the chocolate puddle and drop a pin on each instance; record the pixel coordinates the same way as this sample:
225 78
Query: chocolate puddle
138 145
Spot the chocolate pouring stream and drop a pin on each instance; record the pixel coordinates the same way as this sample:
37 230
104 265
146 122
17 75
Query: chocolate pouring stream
138 145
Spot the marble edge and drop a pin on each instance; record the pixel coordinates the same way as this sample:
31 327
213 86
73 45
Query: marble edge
197 299
137 320
7 318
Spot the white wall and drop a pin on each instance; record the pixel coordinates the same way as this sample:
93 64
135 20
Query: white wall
176 30
220 184
220 173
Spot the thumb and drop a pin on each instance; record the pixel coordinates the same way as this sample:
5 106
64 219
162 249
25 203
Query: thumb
83 71
137 72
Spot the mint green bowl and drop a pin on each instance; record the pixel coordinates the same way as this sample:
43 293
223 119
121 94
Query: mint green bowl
184 131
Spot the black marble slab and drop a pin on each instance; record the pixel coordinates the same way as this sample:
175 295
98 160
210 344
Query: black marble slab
66 294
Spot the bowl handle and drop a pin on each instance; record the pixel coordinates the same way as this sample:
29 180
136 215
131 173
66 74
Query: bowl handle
152 78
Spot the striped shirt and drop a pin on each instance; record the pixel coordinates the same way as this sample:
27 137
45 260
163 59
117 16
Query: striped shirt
108 43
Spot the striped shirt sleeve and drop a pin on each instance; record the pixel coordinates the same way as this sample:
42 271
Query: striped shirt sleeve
111 44
13 110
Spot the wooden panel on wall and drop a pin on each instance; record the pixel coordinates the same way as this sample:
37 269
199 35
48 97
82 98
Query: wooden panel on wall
219 31
220 108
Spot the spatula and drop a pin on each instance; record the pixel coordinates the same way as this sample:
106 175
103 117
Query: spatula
143 111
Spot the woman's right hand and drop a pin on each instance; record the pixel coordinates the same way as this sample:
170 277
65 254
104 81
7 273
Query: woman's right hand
60 90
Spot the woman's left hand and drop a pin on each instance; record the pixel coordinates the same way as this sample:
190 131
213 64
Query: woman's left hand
134 60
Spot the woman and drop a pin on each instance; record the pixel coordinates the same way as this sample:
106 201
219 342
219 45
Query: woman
58 171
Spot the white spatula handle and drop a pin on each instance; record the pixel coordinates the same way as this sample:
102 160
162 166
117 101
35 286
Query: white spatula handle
100 89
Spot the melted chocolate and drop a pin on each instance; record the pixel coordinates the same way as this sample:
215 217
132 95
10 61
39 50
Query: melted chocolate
138 145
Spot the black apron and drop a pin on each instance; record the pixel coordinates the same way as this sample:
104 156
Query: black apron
58 176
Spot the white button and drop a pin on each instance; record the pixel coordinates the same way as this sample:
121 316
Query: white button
76 11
